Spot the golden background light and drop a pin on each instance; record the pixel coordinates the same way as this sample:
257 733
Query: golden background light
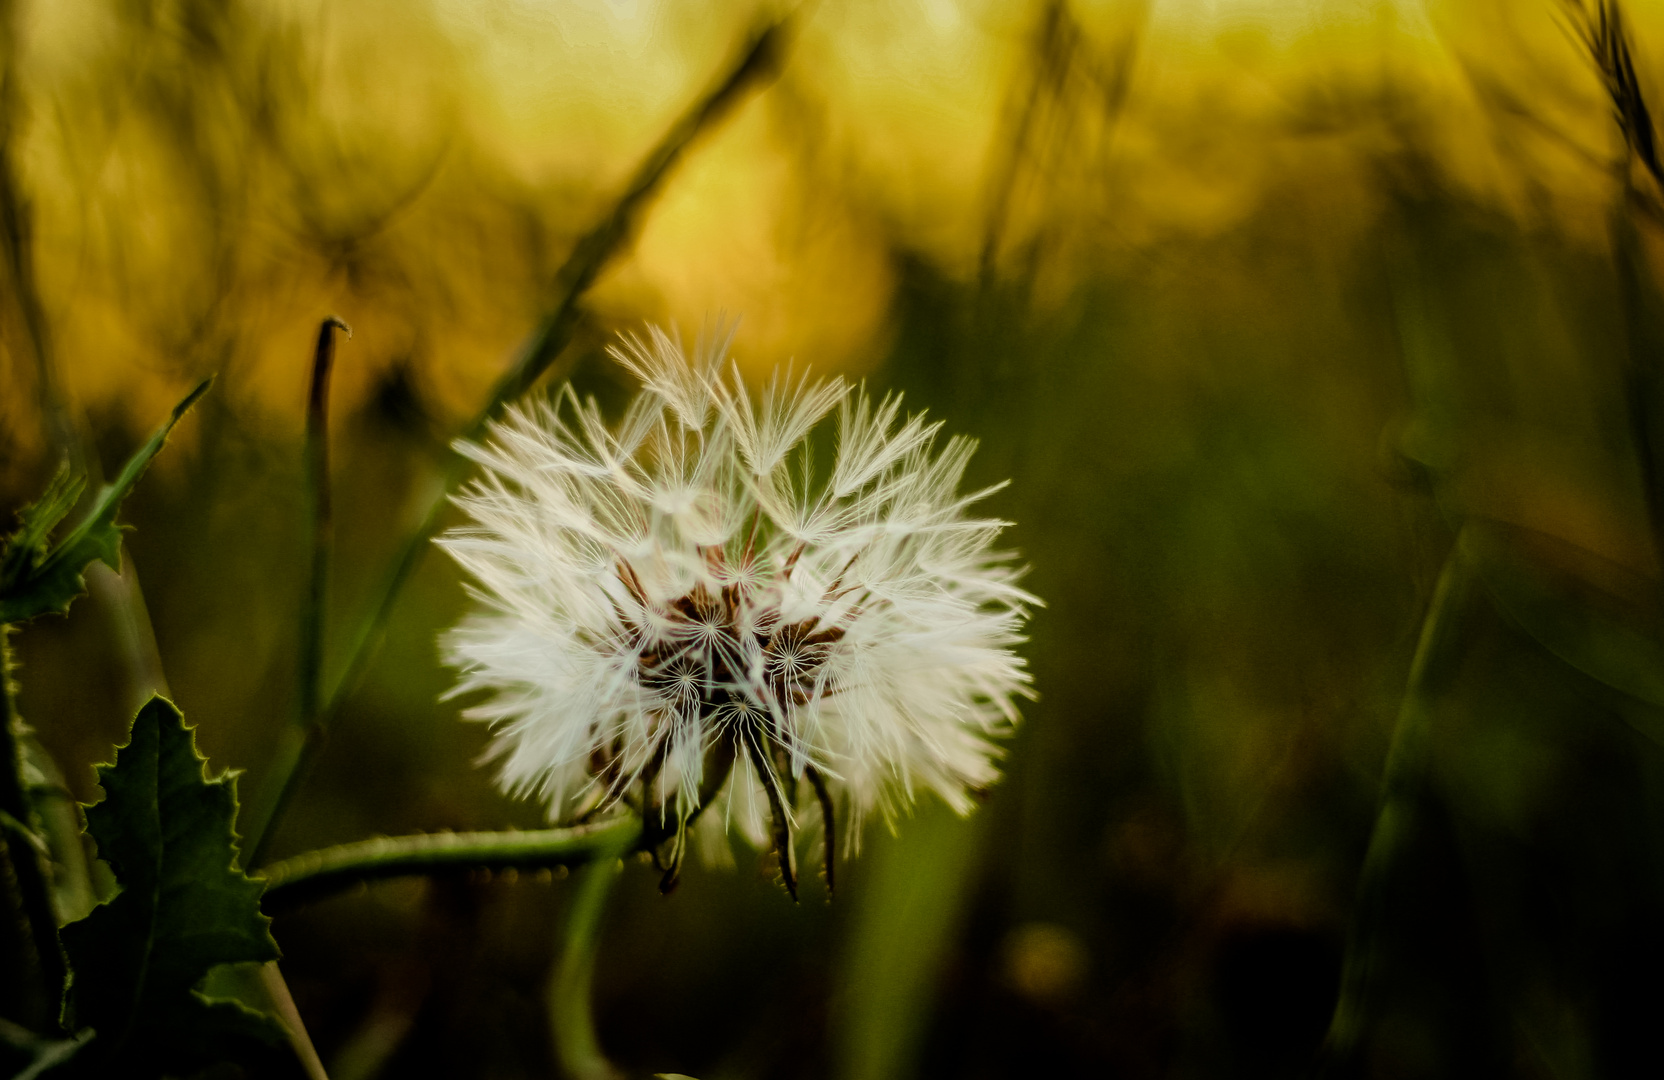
206 181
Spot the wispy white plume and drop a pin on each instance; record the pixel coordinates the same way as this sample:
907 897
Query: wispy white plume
677 610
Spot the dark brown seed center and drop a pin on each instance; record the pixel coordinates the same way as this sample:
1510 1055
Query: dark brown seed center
792 653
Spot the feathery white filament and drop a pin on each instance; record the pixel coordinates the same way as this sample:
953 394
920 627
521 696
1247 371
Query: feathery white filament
678 593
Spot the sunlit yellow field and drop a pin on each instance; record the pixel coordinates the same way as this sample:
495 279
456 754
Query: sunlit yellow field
204 184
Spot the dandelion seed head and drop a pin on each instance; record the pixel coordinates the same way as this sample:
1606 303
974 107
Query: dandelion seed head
677 610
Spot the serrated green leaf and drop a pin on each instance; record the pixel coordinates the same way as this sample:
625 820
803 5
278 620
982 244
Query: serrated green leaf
35 579
184 907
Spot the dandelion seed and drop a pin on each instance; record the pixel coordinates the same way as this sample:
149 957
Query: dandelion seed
676 613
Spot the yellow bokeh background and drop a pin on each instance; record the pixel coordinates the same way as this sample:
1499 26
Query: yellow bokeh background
205 183
1258 305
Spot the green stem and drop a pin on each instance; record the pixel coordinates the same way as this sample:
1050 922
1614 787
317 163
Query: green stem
309 723
758 63
277 994
323 521
1404 788
318 874
571 997
38 928
29 869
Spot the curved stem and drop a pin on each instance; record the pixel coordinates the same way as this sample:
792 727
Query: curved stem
322 873
1403 794
309 670
571 1005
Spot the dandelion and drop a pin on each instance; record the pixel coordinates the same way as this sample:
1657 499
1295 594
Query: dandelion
682 611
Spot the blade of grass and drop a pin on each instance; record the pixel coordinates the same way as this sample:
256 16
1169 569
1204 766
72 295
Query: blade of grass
908 910
1403 788
571 995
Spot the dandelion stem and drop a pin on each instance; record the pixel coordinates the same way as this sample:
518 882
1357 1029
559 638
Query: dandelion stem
758 63
1404 791
318 874
571 995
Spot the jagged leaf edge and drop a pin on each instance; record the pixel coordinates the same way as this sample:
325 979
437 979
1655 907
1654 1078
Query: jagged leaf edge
222 1022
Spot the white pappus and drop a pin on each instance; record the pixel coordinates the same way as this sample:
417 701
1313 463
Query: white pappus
679 610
